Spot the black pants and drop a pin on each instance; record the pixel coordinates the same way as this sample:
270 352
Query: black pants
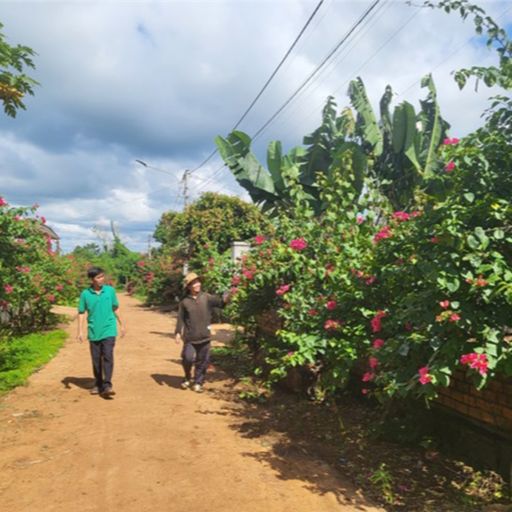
200 353
102 354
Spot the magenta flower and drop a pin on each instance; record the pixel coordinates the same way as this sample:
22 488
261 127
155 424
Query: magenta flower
283 289
259 239
450 166
43 220
3 202
449 142
378 343
331 305
384 233
298 244
401 216
8 289
376 322
476 361
373 362
424 376
248 274
368 376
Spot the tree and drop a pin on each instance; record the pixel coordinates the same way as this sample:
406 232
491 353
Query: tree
14 84
214 220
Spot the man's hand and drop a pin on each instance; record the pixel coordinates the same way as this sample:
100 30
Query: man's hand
178 339
123 332
80 337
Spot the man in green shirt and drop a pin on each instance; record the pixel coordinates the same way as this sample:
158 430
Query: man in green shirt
100 303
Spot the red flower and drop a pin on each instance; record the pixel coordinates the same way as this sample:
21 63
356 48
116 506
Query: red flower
424 377
445 304
373 362
50 297
3 202
331 305
235 281
298 244
370 280
454 317
480 281
332 325
259 239
283 289
368 376
378 343
8 289
450 166
141 263
59 287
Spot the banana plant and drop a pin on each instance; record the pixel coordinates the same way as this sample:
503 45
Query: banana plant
402 145
272 187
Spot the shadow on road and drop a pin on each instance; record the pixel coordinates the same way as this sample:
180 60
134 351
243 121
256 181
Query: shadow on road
79 382
173 381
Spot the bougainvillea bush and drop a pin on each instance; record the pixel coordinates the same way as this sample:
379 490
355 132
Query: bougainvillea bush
444 276
32 276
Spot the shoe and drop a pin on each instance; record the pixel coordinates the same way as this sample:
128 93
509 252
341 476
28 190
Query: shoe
185 384
198 388
95 390
107 391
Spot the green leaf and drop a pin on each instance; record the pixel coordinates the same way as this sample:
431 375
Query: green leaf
469 196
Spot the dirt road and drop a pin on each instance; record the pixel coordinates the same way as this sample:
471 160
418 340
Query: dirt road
154 447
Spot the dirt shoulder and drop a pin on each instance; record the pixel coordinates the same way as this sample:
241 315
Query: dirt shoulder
154 447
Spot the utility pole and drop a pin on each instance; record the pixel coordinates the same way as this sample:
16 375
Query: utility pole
149 246
186 175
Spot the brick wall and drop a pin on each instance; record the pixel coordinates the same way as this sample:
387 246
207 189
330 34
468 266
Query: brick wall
492 406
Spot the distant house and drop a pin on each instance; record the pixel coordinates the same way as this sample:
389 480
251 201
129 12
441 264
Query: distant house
49 232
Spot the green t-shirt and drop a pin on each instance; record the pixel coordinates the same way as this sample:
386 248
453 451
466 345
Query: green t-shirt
101 320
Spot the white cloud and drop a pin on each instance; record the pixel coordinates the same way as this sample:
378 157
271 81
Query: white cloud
157 81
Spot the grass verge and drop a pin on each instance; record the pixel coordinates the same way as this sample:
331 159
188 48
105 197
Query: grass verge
20 357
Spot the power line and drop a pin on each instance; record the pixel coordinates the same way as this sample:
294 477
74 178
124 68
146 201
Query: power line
267 83
320 66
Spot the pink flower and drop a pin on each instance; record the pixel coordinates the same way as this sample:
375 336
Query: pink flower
248 274
373 362
434 240
312 312
401 216
378 343
235 281
23 270
449 142
445 304
450 166
141 263
331 305
59 287
8 289
298 244
50 297
290 354
233 290
368 376
476 361
359 218
364 391
424 376
259 239
3 202
332 325
370 280
384 233
43 220
376 321
283 289
454 317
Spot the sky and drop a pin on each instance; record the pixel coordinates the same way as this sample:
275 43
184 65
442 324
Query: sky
156 81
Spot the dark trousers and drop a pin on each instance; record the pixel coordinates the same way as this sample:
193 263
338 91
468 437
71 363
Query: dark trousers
200 353
102 354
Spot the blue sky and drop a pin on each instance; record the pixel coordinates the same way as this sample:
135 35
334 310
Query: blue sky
157 81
